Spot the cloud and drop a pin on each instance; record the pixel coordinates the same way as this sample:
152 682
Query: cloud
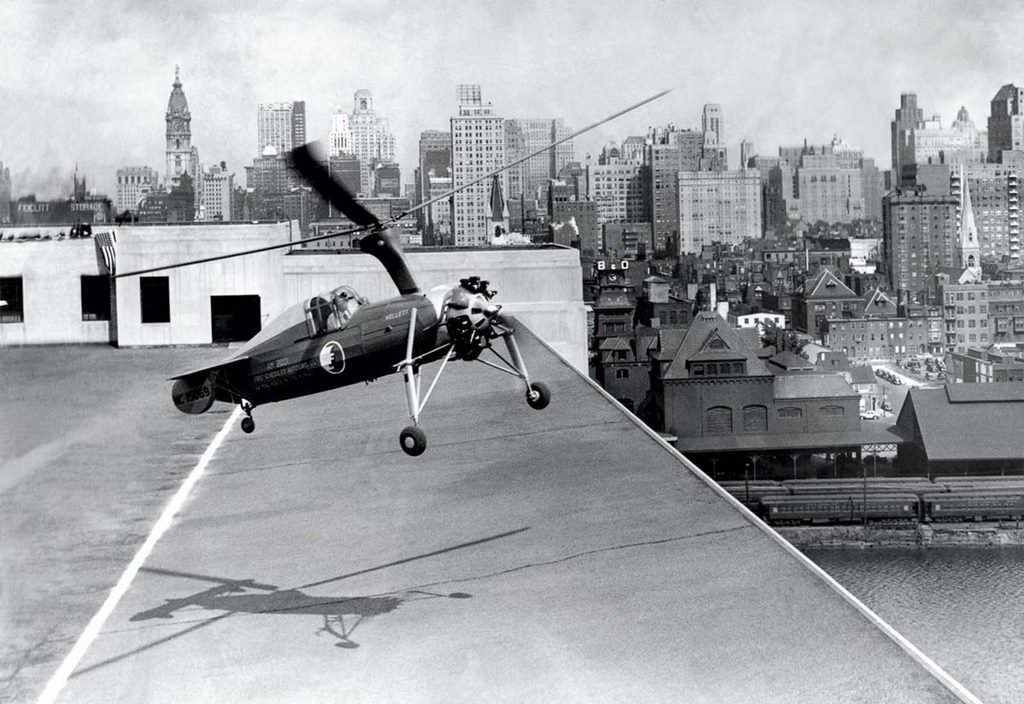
88 82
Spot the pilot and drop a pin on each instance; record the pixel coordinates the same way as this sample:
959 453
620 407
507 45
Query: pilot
341 310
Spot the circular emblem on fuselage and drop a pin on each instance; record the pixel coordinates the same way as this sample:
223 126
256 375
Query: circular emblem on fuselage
332 358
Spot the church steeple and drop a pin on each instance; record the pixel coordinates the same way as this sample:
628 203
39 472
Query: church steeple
968 245
499 209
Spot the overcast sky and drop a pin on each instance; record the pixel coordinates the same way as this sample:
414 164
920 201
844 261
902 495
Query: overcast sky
86 81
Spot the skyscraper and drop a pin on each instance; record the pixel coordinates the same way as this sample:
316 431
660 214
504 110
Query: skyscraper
961 143
829 184
908 118
712 126
1006 122
920 233
435 159
994 194
281 126
615 184
526 135
718 206
182 157
714 155
218 191
872 188
372 140
133 184
340 136
746 154
478 147
668 152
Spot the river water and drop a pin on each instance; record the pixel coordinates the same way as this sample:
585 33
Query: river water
963 607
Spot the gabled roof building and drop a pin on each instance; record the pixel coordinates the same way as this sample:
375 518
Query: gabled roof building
725 407
823 298
987 423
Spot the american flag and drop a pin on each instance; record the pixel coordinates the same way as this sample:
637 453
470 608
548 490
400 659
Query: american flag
106 243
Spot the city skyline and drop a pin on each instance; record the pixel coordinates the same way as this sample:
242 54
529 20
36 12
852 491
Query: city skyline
87 85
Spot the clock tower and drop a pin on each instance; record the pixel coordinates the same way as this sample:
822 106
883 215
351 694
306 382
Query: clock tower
180 155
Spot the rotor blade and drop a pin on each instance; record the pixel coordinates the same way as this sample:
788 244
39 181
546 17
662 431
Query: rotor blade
577 133
383 245
208 578
379 243
320 179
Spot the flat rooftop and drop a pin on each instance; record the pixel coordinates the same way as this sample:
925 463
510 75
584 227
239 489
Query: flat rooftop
555 555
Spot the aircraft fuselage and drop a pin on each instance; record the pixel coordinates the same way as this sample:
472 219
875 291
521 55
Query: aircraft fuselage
294 364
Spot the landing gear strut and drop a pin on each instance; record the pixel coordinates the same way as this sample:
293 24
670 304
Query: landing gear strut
412 439
538 395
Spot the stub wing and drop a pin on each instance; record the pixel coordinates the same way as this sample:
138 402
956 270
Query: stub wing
207 370
195 391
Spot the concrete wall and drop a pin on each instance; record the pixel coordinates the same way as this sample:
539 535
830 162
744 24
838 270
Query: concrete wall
190 288
51 272
542 287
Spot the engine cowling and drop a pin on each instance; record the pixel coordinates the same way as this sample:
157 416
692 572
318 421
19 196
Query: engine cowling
469 315
193 396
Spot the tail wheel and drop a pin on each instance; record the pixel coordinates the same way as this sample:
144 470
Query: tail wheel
413 440
248 425
538 396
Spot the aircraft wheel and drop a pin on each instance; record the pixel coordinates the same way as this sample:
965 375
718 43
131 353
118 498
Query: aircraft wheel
248 425
413 440
538 396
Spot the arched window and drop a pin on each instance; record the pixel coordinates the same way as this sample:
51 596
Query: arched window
719 420
755 419
791 412
832 411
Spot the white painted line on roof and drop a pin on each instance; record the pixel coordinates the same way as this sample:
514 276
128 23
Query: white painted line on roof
59 679
933 668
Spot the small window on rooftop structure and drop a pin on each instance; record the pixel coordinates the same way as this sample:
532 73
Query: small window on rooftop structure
95 298
155 303
11 302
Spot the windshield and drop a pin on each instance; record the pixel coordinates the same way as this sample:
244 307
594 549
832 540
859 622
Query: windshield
328 312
